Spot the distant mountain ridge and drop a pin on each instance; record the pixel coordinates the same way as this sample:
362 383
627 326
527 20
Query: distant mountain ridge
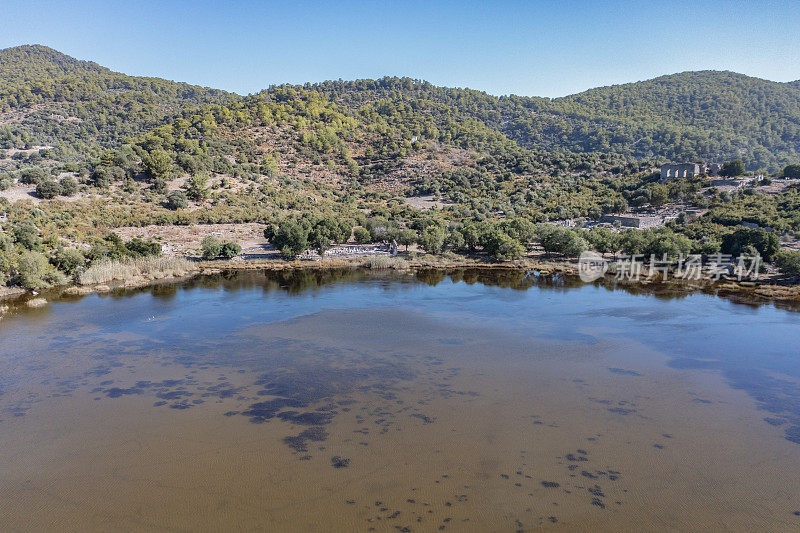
703 115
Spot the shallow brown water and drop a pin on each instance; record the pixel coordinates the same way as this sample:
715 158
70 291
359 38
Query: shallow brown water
350 402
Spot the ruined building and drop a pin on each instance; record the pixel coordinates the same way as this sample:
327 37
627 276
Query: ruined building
689 170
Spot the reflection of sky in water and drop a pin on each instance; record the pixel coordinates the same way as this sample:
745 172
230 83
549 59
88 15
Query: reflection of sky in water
697 326
699 332
755 348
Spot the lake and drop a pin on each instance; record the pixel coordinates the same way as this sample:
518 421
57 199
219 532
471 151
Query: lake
364 401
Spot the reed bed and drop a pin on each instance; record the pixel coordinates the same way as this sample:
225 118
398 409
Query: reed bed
383 262
136 269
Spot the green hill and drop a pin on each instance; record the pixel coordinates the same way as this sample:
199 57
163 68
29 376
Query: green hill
708 115
136 151
49 98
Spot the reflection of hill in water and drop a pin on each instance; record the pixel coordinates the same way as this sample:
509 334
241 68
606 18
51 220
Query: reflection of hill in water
297 281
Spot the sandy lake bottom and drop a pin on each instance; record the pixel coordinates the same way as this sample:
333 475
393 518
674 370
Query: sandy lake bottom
364 402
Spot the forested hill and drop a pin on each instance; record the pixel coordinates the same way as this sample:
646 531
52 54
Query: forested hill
85 150
707 115
80 107
37 64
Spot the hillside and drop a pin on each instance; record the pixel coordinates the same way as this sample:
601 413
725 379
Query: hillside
36 63
85 151
47 97
708 115
79 107
713 116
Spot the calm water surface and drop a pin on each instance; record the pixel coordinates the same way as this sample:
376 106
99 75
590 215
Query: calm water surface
355 401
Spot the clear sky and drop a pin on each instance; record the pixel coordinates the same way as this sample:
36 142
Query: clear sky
534 48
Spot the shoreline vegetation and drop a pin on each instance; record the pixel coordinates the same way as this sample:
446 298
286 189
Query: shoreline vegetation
143 272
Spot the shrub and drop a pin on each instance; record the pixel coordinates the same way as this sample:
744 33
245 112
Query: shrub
563 241
159 186
489 238
104 176
509 248
791 171
602 239
230 250
48 189
432 239
662 241
706 245
378 228
27 236
291 239
110 247
658 195
733 168
269 166
197 187
6 257
788 261
68 260
176 200
326 231
766 243
407 237
455 240
33 271
620 205
210 247
320 242
521 229
68 186
158 164
632 242
139 248
473 235
362 236
270 231
32 176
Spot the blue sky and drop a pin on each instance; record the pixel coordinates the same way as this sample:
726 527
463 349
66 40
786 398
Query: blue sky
534 48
